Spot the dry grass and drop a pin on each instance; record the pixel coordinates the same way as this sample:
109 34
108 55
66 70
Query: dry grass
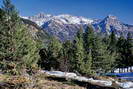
43 81
37 81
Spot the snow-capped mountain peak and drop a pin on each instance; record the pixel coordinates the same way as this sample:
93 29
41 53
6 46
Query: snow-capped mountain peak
40 16
111 17
64 19
74 19
65 26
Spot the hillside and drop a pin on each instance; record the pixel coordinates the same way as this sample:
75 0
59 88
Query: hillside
36 31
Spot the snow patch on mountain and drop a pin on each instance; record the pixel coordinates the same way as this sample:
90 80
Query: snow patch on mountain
41 18
65 26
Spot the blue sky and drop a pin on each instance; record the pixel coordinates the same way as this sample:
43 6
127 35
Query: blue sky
123 9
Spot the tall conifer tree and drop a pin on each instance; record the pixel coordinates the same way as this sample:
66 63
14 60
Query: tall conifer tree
19 47
79 52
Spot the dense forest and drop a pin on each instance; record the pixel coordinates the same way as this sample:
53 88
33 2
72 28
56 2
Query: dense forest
89 53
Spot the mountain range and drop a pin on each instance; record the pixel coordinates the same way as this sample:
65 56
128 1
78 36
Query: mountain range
65 26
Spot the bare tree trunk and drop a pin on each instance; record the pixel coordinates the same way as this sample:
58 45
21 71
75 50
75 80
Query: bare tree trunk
119 70
122 70
130 69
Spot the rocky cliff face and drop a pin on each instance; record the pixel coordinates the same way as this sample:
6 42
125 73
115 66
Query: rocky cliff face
111 23
65 27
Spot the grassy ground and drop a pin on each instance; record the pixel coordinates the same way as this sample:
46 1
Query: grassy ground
37 81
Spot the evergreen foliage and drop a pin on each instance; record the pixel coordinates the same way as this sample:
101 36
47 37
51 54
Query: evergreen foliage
112 42
125 51
17 46
50 55
89 53
102 60
79 52
66 57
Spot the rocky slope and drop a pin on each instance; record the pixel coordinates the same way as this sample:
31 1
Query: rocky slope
111 23
66 26
36 31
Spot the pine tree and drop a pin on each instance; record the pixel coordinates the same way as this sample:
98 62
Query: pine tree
125 51
101 58
11 21
26 48
89 38
121 60
91 46
50 56
3 42
112 42
66 57
88 64
129 50
79 52
17 45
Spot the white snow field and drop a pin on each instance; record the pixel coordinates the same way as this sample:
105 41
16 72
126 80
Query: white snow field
125 85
